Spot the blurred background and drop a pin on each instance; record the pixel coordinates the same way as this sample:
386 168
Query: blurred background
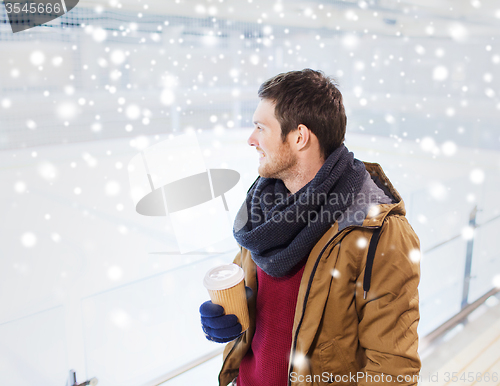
87 283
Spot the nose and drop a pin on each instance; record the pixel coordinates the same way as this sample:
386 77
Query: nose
252 140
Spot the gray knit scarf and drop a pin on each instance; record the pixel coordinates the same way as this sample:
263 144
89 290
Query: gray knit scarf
280 229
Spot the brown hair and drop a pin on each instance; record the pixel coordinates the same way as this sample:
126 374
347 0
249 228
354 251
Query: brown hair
310 98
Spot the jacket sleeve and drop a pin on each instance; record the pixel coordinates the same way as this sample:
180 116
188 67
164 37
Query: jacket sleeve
389 315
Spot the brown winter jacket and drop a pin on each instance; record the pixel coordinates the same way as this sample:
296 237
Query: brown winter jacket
338 336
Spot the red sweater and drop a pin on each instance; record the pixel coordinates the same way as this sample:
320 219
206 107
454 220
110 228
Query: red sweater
266 362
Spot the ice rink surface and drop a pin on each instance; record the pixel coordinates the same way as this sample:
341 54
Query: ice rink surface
87 283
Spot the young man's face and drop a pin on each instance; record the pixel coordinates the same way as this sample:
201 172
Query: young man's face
276 158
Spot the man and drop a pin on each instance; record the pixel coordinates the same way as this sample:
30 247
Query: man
327 252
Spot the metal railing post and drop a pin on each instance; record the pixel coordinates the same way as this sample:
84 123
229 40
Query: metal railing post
72 380
468 259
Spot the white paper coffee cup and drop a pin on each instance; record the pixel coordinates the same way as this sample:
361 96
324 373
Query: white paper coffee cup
226 287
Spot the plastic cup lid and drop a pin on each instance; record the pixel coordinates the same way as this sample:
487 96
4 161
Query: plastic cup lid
223 277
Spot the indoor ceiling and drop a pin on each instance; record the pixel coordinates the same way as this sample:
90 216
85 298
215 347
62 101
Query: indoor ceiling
457 19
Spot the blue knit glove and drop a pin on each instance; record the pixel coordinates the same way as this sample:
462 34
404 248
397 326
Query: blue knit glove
217 326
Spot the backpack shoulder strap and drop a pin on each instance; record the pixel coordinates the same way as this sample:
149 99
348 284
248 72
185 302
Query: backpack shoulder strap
369 260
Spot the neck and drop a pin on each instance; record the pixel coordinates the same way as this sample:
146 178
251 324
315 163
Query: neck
301 175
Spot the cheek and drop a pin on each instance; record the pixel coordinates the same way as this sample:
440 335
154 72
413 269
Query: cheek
262 142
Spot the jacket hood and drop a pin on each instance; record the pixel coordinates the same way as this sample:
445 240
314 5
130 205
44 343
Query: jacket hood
377 213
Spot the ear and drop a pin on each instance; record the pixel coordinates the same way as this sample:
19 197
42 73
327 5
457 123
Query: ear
303 137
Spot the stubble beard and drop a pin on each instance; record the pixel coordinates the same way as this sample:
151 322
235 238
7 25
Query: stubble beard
280 165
